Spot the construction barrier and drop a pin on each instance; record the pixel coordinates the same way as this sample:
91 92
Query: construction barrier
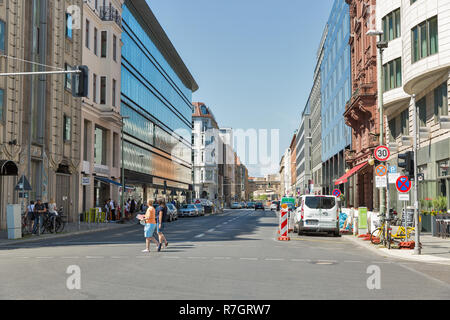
284 224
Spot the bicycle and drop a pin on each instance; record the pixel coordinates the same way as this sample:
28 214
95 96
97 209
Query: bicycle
27 227
381 235
53 222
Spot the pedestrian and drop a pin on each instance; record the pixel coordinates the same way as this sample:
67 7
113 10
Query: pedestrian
39 210
107 210
112 209
150 226
162 217
30 215
132 206
52 207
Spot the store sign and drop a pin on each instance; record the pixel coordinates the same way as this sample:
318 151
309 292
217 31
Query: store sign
85 181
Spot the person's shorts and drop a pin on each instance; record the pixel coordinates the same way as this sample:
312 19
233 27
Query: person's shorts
158 229
149 229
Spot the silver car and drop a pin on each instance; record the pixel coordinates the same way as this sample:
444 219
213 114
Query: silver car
188 210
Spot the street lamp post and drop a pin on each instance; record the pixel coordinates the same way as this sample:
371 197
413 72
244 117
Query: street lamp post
122 204
381 45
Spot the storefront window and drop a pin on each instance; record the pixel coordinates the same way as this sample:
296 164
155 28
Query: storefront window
443 168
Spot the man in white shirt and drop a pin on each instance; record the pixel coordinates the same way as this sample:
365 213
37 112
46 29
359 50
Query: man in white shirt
113 210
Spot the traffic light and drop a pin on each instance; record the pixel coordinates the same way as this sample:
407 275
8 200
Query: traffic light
80 82
406 161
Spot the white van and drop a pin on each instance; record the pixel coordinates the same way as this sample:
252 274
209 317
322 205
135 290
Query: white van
317 213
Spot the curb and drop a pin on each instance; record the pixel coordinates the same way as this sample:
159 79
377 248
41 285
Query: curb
61 235
395 253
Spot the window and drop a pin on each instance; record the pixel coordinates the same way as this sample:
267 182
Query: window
2 99
392 74
2 35
66 128
424 38
441 100
100 146
94 89
114 92
392 130
87 34
95 41
391 25
68 78
422 106
114 48
103 40
102 90
404 122
69 30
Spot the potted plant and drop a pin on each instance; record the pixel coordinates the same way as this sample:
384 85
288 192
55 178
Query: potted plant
439 207
426 214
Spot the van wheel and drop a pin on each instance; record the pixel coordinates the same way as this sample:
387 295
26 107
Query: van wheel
337 234
299 232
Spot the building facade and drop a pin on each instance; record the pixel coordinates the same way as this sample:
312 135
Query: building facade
361 113
205 155
156 94
101 121
417 62
40 120
335 92
303 160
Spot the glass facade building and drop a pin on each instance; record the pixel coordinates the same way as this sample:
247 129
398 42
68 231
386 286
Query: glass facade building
335 91
156 106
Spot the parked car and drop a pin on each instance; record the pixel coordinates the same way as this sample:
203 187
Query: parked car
317 214
172 211
201 209
236 205
250 205
275 206
188 210
243 205
259 205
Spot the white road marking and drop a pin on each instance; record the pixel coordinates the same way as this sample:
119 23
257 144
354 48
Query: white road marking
94 257
200 235
211 230
70 257
274 259
253 259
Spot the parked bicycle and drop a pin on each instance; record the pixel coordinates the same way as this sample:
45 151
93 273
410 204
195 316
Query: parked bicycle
53 222
27 224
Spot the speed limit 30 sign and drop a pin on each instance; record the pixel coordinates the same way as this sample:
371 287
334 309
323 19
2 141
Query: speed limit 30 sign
382 153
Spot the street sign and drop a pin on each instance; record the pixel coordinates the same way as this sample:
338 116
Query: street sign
381 182
393 177
337 193
382 153
381 171
403 184
23 184
403 197
392 169
85 181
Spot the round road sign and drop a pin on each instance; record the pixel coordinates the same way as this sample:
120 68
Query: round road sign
403 184
337 193
381 170
382 153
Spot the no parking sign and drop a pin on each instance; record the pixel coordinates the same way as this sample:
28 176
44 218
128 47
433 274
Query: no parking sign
337 193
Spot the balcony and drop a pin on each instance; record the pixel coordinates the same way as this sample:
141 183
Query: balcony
110 14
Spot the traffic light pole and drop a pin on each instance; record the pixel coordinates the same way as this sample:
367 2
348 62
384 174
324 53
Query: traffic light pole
417 249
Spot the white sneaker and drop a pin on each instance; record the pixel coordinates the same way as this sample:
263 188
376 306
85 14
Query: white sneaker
146 250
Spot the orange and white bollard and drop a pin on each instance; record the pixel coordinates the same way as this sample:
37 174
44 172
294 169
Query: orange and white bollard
284 227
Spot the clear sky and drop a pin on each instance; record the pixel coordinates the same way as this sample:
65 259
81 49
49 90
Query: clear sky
253 59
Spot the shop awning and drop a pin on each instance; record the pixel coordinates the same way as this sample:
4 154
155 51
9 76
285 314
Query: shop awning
8 168
106 180
350 172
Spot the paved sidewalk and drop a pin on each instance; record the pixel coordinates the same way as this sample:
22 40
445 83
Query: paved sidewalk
69 230
434 250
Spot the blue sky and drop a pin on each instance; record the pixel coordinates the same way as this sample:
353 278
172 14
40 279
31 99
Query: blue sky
253 59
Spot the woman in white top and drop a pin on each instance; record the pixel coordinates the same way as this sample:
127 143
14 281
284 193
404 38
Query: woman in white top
52 207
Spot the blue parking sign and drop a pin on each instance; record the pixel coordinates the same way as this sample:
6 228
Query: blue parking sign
392 169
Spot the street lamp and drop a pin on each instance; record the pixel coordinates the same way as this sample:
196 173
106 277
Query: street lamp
381 45
122 204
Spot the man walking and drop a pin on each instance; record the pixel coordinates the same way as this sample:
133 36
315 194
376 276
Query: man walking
39 210
162 217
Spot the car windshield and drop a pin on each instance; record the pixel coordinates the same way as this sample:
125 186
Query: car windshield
259 204
320 202
188 206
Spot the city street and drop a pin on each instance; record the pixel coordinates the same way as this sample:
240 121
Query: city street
234 255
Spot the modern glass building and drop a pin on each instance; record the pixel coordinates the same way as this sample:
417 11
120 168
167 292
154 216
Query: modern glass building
156 96
335 92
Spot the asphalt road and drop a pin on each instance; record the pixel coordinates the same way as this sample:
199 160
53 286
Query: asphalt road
234 255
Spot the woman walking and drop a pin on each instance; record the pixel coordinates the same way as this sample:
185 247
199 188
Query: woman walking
150 226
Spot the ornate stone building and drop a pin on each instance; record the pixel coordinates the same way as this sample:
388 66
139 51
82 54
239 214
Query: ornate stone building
39 118
361 112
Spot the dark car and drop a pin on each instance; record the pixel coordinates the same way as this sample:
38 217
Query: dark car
250 205
259 205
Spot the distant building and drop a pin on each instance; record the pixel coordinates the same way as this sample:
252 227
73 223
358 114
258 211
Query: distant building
336 91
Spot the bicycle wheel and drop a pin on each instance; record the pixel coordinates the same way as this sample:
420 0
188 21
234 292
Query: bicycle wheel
375 237
59 224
